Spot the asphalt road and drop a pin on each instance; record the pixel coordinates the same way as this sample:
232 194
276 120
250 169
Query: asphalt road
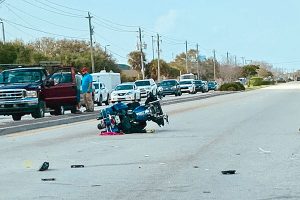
255 133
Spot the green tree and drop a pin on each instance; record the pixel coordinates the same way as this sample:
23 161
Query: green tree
249 70
134 60
165 70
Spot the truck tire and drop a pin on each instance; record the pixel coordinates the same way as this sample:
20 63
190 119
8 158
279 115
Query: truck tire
74 109
40 112
107 101
60 110
16 117
99 103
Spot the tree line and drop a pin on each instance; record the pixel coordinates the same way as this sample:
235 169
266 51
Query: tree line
77 53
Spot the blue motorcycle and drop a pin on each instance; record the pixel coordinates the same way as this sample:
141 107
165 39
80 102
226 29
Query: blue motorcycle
131 117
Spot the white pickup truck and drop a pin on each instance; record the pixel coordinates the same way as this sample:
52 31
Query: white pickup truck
101 93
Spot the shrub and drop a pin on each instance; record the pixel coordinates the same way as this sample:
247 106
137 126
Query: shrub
256 81
236 86
268 82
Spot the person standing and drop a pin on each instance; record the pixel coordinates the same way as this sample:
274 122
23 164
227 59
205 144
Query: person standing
87 90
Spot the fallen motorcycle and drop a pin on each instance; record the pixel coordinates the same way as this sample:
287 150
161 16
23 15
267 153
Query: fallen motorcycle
131 117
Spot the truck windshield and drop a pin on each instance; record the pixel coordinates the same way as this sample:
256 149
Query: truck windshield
21 76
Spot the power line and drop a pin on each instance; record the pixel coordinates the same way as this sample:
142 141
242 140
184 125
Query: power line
59 13
56 9
115 29
67 7
109 21
35 17
55 34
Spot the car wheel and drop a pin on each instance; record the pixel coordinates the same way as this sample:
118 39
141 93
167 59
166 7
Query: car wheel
135 98
16 117
40 112
107 100
99 103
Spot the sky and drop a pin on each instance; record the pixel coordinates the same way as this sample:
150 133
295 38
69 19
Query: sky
258 30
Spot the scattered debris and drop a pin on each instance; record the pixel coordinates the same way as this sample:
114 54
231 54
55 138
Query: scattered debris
150 131
44 166
108 133
140 167
196 166
206 192
162 163
227 172
146 155
77 166
96 185
48 179
264 151
238 154
206 169
27 163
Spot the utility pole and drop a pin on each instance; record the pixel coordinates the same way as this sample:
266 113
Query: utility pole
186 58
3 33
197 47
141 50
152 47
243 59
214 52
227 58
158 58
235 61
91 42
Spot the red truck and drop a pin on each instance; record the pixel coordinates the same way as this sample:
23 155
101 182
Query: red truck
32 90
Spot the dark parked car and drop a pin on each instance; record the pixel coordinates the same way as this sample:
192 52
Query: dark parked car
170 87
200 86
212 85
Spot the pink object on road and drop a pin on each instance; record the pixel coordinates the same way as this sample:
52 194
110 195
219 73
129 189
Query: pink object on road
107 133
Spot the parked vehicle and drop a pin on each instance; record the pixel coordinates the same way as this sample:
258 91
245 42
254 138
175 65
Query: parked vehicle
200 86
188 86
101 93
109 79
212 85
188 76
170 87
31 90
125 92
146 86
131 117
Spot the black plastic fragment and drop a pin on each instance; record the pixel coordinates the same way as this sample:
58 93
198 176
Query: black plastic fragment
48 179
44 166
227 172
77 166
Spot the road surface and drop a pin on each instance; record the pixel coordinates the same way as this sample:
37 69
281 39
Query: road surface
255 133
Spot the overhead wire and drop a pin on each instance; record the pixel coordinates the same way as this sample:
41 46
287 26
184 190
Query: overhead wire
59 13
49 33
57 9
35 17
74 9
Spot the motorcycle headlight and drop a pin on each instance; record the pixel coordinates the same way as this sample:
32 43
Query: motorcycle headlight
31 94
